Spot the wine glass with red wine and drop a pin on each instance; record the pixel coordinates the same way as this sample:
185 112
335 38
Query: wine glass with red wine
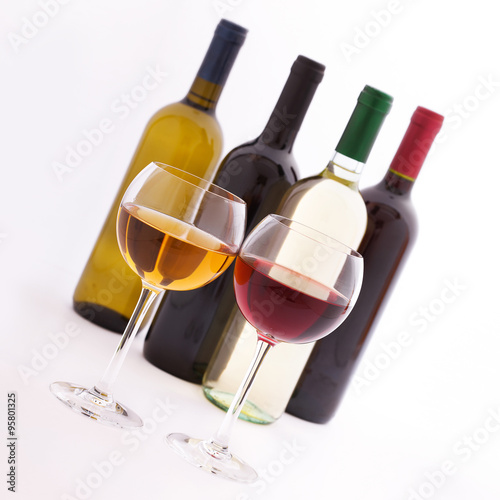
293 284
177 232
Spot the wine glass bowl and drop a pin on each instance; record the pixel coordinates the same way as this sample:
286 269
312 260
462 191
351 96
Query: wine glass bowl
177 232
181 238
293 284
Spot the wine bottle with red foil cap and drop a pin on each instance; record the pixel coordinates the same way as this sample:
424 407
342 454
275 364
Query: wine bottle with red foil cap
390 235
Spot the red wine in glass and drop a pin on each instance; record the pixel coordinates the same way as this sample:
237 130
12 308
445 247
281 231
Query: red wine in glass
294 285
291 308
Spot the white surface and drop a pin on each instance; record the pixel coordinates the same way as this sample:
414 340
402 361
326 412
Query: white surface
409 419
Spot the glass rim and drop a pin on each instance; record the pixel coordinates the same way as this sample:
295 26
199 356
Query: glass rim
209 187
330 242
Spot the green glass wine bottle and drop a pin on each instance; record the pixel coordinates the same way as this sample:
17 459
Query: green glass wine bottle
186 135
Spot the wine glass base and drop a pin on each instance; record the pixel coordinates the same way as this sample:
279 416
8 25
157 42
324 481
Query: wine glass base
89 403
201 454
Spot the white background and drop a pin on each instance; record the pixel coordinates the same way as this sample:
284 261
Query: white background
418 410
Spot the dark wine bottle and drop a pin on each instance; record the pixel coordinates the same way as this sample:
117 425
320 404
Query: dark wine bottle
388 240
186 135
187 326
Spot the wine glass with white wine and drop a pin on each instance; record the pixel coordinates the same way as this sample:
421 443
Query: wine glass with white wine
177 232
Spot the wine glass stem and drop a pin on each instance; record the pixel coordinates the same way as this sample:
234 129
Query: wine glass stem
147 297
220 439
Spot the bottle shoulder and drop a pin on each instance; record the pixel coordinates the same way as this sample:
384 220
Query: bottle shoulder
328 206
325 190
252 160
400 205
390 218
181 114
257 150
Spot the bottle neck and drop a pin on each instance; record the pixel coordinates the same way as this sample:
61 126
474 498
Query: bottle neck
397 183
358 137
216 66
412 152
364 125
203 95
345 170
288 114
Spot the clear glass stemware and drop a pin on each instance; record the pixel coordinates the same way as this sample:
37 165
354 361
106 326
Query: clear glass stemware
177 232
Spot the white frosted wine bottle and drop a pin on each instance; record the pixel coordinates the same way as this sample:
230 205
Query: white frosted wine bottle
329 202
186 135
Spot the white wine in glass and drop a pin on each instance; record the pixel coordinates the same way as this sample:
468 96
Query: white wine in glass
177 232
